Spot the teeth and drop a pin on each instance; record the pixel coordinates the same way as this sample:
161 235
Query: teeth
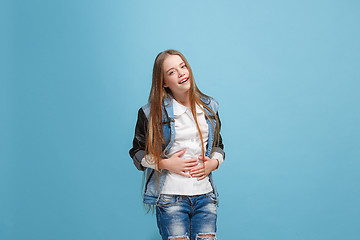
183 80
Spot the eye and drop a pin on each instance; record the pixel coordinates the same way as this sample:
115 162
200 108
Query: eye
183 66
171 73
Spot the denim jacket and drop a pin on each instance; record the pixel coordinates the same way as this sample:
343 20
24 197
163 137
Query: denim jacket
153 185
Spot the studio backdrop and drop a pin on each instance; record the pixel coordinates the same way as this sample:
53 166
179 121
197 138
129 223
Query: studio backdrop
74 74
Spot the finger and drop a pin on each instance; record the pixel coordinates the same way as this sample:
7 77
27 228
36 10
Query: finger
191 164
197 168
181 152
201 178
197 175
184 174
198 171
188 169
200 167
191 160
204 159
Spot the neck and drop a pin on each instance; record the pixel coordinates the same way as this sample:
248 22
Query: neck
183 99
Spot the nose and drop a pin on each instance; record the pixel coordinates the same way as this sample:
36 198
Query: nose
181 73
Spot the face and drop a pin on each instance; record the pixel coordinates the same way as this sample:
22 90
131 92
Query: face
176 75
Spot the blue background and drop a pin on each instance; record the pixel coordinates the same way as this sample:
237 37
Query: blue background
74 73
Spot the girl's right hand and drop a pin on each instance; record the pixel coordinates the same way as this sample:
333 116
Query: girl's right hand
178 165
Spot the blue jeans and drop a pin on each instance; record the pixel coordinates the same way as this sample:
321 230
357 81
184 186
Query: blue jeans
187 217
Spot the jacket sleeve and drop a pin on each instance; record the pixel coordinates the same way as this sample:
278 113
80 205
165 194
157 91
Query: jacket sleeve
137 152
219 146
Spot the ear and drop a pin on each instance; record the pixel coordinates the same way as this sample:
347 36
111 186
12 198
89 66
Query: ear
164 84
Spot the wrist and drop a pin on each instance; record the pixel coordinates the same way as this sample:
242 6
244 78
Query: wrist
214 164
163 164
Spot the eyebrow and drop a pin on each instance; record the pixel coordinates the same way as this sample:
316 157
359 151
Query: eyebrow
173 68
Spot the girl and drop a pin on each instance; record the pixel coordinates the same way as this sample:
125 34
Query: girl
178 144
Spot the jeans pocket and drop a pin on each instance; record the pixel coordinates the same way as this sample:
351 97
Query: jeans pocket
211 196
167 200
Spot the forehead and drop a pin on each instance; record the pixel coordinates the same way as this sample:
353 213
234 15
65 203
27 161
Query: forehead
172 61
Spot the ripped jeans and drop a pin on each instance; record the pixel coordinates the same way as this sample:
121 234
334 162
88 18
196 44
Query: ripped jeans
187 217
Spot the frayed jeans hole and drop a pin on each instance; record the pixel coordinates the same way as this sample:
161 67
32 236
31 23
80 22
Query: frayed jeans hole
179 238
205 236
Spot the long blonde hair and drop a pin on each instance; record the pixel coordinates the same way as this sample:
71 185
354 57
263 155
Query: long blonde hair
157 95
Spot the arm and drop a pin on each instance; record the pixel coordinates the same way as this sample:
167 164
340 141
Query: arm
174 164
218 148
137 152
178 165
213 163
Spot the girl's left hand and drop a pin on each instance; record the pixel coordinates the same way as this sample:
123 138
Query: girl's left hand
204 169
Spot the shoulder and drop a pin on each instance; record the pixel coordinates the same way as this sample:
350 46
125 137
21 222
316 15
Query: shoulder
211 103
146 109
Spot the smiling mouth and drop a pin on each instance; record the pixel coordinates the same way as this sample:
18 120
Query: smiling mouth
184 81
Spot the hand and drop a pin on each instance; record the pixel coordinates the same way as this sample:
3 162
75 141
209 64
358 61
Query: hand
205 168
178 165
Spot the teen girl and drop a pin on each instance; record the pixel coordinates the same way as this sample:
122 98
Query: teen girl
178 144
